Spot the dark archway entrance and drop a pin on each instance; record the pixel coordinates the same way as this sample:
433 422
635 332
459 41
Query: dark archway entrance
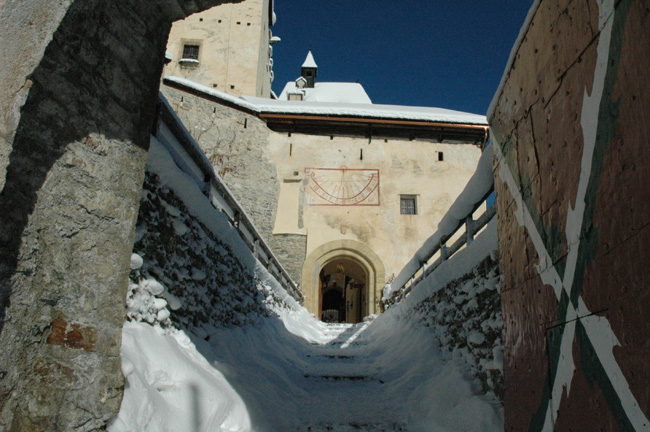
343 293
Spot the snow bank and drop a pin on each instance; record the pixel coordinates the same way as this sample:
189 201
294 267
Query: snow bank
256 378
172 387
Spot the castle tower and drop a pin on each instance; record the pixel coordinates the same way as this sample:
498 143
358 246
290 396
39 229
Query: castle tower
228 48
309 70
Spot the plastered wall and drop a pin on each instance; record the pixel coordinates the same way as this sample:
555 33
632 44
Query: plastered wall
234 49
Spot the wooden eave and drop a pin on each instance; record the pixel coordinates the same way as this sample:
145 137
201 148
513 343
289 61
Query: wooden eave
375 127
367 126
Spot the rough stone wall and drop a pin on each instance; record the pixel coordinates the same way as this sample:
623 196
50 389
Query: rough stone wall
22 24
570 132
466 317
290 250
235 144
75 131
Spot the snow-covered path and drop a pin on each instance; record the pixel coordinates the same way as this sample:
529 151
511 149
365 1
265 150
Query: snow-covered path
345 387
294 373
213 343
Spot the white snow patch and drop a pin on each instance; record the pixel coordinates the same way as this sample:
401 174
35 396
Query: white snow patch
136 261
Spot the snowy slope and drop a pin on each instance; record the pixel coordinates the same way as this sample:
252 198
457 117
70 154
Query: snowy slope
259 361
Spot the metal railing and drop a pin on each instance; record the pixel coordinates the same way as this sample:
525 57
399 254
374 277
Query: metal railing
420 265
188 156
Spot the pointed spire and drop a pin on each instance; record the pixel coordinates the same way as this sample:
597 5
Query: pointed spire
309 61
309 70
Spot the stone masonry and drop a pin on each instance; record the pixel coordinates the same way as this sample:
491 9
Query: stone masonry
234 142
78 103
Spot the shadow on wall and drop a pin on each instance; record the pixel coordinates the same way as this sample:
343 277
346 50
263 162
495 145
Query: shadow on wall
86 108
68 207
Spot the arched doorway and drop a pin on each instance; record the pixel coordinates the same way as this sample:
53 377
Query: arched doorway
343 291
362 274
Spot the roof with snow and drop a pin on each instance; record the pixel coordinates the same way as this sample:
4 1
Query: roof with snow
347 117
309 61
329 92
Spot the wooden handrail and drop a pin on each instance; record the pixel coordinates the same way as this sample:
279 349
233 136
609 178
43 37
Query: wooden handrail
210 184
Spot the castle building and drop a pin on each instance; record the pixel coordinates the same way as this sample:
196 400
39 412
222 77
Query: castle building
343 190
228 47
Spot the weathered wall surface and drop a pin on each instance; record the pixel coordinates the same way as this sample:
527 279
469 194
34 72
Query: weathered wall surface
402 167
571 135
77 114
234 51
22 24
235 144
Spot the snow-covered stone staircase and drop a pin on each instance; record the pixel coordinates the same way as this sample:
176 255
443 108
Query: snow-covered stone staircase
345 388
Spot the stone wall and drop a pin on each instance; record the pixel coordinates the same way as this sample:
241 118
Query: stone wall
235 143
465 315
78 107
570 133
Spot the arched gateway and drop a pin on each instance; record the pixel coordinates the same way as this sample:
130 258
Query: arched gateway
342 281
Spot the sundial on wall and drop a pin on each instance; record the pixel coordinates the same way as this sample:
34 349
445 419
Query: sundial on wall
342 186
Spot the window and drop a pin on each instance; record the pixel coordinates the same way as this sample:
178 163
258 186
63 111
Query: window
408 205
441 157
191 52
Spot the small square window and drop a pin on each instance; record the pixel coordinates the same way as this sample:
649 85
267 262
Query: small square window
191 52
408 205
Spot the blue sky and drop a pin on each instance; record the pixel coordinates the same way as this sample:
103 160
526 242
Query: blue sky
448 54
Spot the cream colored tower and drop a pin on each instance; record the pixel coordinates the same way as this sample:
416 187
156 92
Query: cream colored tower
226 48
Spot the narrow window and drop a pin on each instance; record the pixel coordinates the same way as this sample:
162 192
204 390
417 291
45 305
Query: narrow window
441 157
191 52
408 205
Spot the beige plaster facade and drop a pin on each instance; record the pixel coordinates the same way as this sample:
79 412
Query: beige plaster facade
348 190
330 195
233 54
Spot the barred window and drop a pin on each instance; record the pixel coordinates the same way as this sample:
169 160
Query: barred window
408 205
191 52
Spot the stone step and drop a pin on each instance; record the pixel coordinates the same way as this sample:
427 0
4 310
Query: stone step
355 427
331 356
325 377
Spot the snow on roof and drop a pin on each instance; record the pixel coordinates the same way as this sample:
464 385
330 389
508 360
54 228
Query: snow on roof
331 92
309 61
365 110
340 109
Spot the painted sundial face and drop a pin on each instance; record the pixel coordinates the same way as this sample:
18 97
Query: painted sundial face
342 186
